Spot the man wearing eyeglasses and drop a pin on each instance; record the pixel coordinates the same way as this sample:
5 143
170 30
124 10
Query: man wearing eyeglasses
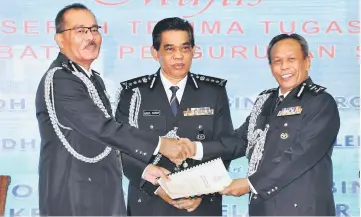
79 170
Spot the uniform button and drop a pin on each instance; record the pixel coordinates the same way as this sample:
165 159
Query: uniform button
151 126
285 125
144 153
284 135
139 200
295 205
136 150
255 197
89 179
140 152
276 188
117 151
200 127
273 190
268 192
211 199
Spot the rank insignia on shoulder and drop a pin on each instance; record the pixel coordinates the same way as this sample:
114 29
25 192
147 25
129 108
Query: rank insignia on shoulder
314 88
268 91
213 80
295 110
136 82
198 111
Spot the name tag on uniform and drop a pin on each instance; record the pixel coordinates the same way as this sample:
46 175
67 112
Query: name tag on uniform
151 112
198 111
295 110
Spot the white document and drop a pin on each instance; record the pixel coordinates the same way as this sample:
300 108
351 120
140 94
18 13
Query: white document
206 178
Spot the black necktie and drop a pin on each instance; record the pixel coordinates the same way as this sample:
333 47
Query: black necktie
279 101
174 104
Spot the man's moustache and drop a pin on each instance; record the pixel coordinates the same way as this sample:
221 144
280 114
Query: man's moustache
90 44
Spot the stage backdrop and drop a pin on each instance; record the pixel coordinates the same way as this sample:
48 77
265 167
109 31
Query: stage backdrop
231 38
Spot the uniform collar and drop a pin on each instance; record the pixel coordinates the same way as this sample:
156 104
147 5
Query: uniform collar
308 83
284 95
167 84
65 60
88 73
297 89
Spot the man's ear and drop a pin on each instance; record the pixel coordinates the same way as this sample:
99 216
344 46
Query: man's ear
59 40
154 53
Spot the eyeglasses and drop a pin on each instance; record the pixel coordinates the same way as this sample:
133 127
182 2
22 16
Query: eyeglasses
82 30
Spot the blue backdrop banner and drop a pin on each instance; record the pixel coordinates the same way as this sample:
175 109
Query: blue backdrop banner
231 38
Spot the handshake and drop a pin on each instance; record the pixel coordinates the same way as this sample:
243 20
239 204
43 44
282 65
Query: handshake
177 150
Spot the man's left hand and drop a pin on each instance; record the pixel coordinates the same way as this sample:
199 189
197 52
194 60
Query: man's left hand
237 188
152 173
189 204
162 194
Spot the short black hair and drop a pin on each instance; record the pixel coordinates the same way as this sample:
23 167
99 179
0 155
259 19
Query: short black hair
59 19
172 23
301 40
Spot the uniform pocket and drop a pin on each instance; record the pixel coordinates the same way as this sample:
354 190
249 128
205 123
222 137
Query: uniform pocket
287 135
153 123
197 128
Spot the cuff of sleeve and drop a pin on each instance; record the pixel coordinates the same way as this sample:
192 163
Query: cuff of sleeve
155 192
251 187
199 151
158 147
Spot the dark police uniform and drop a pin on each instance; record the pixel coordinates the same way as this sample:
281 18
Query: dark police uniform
289 148
73 178
203 115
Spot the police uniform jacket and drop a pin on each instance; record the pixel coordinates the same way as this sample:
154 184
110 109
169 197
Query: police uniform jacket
90 184
289 148
203 115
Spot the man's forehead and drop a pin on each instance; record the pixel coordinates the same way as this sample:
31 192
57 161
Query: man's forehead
174 37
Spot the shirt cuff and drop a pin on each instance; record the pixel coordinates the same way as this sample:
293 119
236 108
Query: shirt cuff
144 172
155 192
251 187
199 151
158 147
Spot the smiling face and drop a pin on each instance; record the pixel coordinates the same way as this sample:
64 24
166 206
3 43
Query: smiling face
175 54
288 64
78 43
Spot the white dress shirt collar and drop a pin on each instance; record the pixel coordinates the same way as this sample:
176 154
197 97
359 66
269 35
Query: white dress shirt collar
88 73
167 84
284 95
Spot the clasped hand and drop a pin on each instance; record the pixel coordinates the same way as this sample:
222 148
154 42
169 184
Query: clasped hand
177 150
237 188
189 204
